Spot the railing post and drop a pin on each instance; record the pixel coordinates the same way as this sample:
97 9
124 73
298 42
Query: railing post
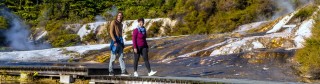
66 79
25 77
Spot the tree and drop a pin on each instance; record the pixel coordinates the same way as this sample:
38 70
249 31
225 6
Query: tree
3 23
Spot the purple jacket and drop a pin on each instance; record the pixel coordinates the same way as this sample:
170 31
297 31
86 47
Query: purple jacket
139 39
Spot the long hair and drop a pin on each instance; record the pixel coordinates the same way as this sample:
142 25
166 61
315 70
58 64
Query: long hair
117 16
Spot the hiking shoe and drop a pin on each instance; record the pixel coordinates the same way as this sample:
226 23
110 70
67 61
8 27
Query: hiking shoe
151 73
135 74
125 74
111 73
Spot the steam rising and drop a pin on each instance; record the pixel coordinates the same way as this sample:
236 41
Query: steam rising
287 6
18 34
99 18
114 11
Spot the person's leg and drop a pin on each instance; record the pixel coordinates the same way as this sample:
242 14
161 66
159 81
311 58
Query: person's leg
136 60
112 58
146 59
121 60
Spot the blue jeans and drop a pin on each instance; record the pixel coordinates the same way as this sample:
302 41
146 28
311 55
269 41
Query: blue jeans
119 51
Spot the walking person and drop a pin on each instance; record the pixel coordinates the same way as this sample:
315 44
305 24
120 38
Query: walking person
140 46
117 44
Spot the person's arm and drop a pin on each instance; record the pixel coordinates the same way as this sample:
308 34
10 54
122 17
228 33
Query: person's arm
111 31
134 38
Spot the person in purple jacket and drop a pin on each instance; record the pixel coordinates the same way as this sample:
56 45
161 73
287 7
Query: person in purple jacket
140 47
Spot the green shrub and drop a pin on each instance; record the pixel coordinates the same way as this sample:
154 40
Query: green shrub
66 40
305 13
228 21
53 25
135 12
88 27
226 5
87 19
180 29
309 56
57 32
146 23
167 30
154 29
62 38
129 35
3 23
91 37
204 17
104 36
317 2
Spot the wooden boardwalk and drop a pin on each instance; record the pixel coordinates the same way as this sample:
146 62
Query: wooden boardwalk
98 73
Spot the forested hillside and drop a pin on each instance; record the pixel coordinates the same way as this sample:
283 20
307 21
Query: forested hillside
194 16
